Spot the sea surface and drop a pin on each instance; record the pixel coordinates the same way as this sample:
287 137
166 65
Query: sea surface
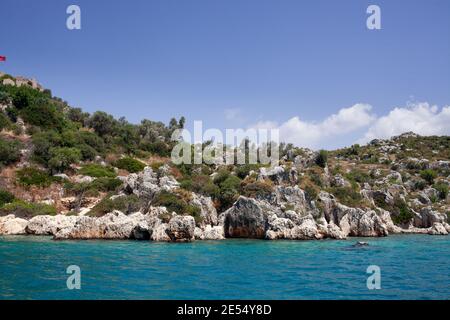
411 267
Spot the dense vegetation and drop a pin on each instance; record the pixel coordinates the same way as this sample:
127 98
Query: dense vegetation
62 135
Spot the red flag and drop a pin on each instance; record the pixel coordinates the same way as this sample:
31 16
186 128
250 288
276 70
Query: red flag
2 58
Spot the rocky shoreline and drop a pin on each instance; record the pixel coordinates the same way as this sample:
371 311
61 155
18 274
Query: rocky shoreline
267 218
286 211
254 222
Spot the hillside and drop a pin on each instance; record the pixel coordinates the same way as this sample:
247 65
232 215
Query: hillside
71 174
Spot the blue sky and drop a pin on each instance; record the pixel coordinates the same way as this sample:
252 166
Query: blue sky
241 63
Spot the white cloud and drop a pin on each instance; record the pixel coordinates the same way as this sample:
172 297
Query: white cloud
232 114
315 135
420 118
344 128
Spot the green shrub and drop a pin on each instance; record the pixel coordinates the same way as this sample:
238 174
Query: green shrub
12 113
77 115
347 196
9 151
97 171
24 96
23 209
171 201
229 187
43 115
442 189
428 175
201 184
106 184
16 129
125 204
401 212
103 123
175 203
87 152
33 177
159 148
420 185
322 158
316 179
156 165
357 175
62 158
43 142
243 170
130 164
80 190
5 123
90 139
311 193
257 189
5 197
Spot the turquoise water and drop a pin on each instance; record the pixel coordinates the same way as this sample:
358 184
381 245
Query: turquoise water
412 267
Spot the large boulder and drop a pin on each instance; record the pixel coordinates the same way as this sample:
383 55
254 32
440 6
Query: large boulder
339 181
279 174
283 228
49 225
334 232
143 184
10 225
209 233
294 197
356 222
365 223
181 228
306 159
427 217
438 229
247 218
156 226
157 229
114 225
440 165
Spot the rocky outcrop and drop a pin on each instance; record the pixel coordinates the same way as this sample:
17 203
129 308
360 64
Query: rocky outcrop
143 184
208 212
360 223
279 174
247 218
10 225
209 233
250 218
181 228
354 221
438 229
49 225
114 225
292 197
283 228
